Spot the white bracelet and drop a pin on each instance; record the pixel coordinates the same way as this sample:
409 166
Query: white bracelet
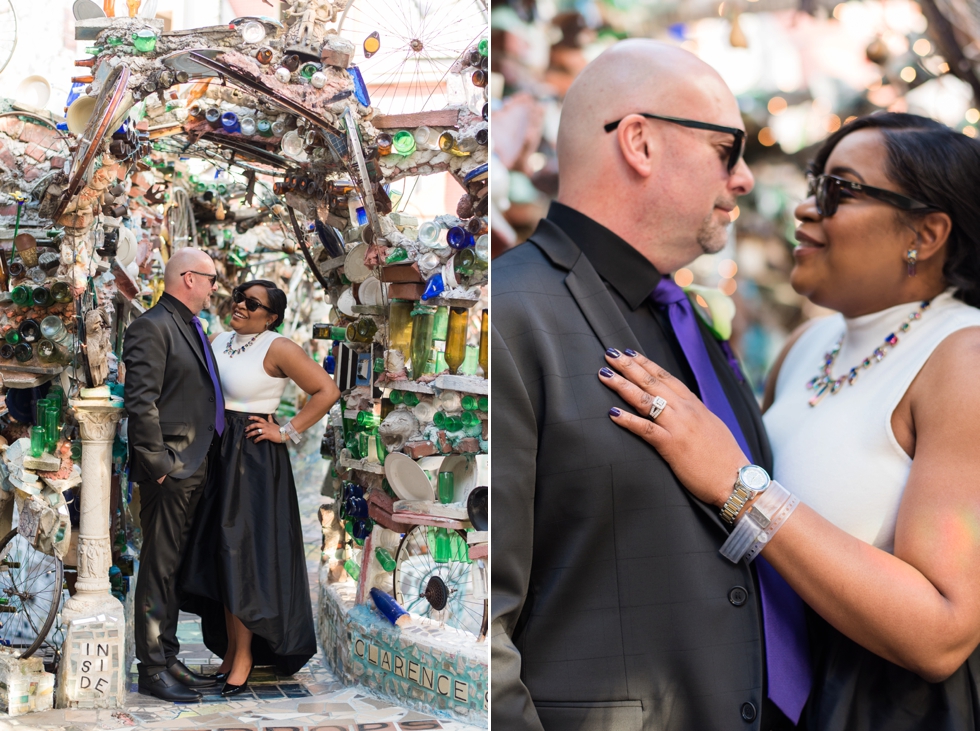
759 523
288 430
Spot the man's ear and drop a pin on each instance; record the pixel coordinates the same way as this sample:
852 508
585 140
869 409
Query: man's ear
640 147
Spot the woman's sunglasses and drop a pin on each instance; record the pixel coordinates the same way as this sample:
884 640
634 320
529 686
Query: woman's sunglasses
827 189
251 304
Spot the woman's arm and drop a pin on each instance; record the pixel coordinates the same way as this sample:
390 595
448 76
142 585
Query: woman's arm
918 608
286 358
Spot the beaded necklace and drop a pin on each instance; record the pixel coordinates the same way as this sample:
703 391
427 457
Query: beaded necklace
825 383
232 352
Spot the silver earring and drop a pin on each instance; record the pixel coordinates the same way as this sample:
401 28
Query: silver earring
910 259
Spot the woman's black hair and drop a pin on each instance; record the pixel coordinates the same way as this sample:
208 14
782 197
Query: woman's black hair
277 298
932 163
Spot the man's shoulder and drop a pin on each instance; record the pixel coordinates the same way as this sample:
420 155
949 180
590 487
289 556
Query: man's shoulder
526 269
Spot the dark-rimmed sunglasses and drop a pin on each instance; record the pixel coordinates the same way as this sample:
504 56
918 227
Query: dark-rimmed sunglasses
827 190
738 146
212 278
251 304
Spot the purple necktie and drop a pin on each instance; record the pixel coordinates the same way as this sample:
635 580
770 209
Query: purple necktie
219 399
787 651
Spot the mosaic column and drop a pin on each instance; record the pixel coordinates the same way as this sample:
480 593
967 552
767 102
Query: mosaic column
92 672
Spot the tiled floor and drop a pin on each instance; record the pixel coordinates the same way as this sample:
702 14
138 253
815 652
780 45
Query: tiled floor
311 700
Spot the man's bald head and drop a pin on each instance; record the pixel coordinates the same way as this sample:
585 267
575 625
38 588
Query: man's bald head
664 188
634 76
194 290
184 260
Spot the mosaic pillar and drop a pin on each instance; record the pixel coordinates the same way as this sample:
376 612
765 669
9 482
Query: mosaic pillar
91 673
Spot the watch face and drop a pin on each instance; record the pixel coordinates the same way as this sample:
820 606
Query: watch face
754 478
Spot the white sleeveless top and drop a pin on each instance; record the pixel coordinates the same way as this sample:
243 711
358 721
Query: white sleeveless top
244 383
841 457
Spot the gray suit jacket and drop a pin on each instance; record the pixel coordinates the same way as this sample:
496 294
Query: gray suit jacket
169 396
612 609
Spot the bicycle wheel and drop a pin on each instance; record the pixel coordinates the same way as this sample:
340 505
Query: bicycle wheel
30 594
417 43
433 578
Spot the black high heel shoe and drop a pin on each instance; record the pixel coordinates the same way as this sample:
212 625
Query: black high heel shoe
229 690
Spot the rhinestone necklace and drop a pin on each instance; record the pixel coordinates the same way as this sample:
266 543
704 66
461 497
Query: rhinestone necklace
232 352
825 383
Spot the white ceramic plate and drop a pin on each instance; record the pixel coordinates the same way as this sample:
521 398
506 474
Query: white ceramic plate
371 291
126 247
346 302
354 267
407 479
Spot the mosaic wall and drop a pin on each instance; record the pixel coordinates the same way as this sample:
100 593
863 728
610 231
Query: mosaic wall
421 665
93 672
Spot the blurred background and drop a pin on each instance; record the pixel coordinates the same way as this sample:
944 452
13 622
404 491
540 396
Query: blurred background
800 69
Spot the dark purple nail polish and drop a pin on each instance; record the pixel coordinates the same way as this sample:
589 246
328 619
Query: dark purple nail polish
606 372
614 411
613 353
630 353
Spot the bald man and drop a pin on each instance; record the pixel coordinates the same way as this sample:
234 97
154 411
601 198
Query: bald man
612 608
175 417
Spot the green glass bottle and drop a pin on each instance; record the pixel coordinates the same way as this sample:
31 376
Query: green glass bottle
21 295
470 403
396 396
410 399
367 420
23 352
440 545
447 487
37 441
398 254
12 336
352 569
442 420
469 419
41 297
385 559
423 320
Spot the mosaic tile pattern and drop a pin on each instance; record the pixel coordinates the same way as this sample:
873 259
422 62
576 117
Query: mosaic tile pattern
314 699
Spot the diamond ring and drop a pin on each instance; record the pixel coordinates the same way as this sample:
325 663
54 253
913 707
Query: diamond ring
659 404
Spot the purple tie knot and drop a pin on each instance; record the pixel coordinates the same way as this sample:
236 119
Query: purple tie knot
667 292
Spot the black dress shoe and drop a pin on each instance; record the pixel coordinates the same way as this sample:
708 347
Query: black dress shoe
230 690
163 685
189 678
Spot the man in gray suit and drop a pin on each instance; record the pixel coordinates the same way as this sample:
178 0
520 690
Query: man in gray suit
175 416
612 608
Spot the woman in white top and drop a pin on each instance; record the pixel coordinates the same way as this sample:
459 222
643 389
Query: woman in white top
875 427
245 568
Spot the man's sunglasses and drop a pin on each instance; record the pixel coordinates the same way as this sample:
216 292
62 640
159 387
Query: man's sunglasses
251 304
738 146
210 277
827 189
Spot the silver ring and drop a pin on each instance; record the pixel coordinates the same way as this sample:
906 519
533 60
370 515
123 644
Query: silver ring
659 404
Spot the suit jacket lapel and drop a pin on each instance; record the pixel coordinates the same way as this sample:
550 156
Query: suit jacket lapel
182 329
604 317
586 286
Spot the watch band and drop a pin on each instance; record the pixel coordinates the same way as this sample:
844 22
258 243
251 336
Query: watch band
736 501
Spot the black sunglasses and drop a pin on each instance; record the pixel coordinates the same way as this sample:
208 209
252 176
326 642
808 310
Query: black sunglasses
211 277
251 304
827 190
738 146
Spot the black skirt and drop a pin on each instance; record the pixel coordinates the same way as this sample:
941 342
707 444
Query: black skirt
245 552
856 690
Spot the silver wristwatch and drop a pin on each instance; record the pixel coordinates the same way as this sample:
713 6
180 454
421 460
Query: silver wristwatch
752 481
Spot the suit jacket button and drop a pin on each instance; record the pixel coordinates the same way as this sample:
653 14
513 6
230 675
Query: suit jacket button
210 428
738 595
748 712
211 399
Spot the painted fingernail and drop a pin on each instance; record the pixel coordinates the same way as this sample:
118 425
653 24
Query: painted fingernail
614 411
630 353
613 353
606 372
